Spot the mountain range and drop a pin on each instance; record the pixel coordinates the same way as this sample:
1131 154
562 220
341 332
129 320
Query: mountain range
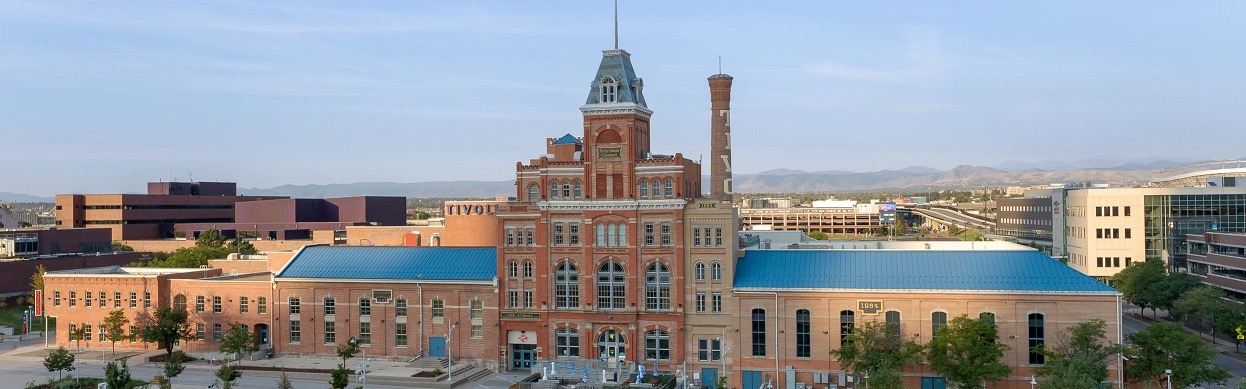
1102 170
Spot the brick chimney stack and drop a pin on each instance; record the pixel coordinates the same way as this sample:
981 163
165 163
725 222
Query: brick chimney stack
720 136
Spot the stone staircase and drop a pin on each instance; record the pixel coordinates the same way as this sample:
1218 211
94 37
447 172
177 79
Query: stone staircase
431 363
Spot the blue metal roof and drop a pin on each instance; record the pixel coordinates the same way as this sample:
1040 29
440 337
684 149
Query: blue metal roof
567 139
1015 271
617 64
394 263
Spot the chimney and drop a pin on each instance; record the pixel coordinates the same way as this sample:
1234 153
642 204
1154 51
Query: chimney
720 136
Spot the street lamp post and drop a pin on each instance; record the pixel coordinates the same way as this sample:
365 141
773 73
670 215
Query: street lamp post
1168 376
1033 381
361 367
450 355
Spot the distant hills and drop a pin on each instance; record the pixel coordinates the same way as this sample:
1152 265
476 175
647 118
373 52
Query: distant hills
1101 170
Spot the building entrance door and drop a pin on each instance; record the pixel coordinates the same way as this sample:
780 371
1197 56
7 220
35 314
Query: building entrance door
437 346
933 383
709 377
523 356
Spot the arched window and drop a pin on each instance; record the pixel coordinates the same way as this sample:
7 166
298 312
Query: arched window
644 188
133 299
566 286
759 332
622 236
567 342
609 90
553 190
527 269
179 302
330 306
611 286
989 317
1037 335
294 305
657 345
847 321
716 271
566 189
937 320
577 189
657 189
533 193
893 323
699 270
512 269
669 190
803 338
600 235
657 287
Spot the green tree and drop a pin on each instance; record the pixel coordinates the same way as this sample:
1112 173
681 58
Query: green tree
285 381
167 327
59 360
78 333
36 279
966 354
210 239
1166 292
874 349
339 377
117 375
1200 306
173 365
228 375
114 327
347 350
818 235
1136 282
118 246
1167 346
238 340
1078 358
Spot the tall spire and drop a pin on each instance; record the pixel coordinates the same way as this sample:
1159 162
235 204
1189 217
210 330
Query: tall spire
616 24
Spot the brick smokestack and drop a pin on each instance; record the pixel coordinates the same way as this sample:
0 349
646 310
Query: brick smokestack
720 136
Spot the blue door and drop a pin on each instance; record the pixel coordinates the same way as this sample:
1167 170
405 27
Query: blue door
752 380
709 377
437 346
933 383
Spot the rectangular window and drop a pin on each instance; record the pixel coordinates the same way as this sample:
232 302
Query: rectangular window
1036 327
1128 232
1099 262
146 299
528 296
600 235
73 298
1098 211
116 299
558 237
510 236
56 298
294 306
400 338
1126 210
803 338
243 304
716 302
1116 211
216 332
1116 261
718 237
439 309
216 304
296 331
330 306
696 237
199 303
716 347
573 234
512 300
666 233
648 234
200 331
530 237
261 305
1116 233
700 301
759 332
400 307
365 307
330 332
703 349
893 323
133 300
133 334
365 334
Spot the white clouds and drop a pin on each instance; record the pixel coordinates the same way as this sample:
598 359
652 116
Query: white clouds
923 63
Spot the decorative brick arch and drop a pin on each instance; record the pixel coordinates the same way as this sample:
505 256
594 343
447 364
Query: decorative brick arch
607 134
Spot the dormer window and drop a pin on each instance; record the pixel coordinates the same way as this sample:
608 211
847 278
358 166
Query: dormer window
609 90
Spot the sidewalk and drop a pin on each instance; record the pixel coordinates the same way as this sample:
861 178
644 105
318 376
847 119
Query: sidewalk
1225 347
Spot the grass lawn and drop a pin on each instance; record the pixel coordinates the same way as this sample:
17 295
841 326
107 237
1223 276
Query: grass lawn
12 317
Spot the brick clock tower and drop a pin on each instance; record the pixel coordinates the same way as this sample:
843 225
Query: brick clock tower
592 266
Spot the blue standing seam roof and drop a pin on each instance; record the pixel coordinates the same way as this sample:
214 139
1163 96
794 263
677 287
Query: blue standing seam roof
394 263
567 139
1016 271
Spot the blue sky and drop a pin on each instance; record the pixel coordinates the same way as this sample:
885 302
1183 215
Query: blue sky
103 96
